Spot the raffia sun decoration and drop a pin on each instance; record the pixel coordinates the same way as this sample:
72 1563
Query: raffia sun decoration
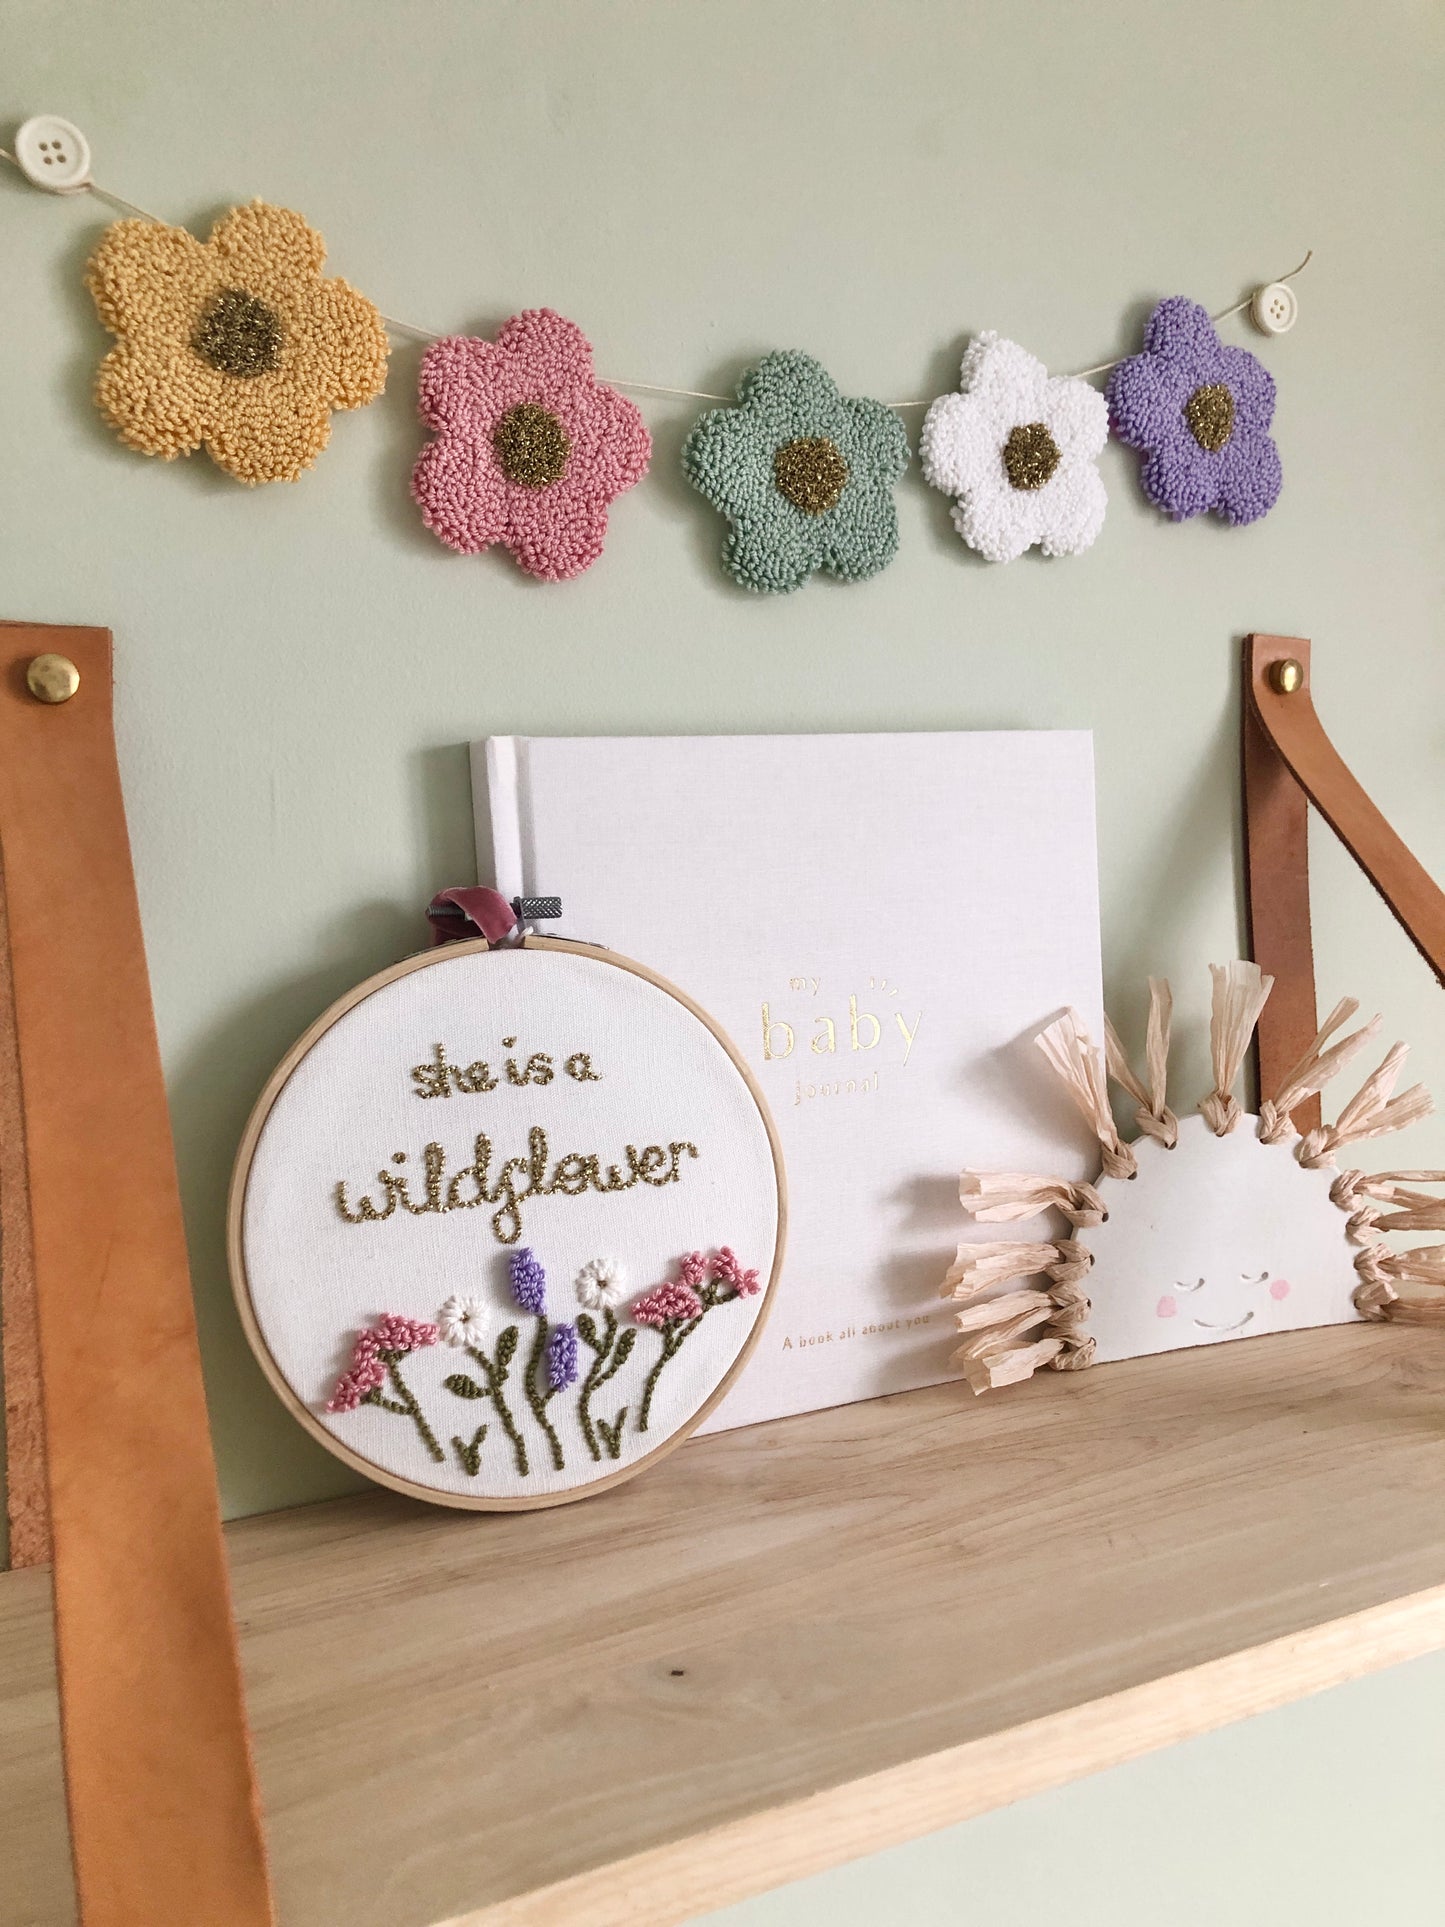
1203 1228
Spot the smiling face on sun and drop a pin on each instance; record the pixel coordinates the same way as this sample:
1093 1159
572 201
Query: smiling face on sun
1218 1238
1175 1304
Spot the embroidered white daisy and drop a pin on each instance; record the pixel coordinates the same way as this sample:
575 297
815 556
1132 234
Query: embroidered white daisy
599 1284
462 1321
1020 451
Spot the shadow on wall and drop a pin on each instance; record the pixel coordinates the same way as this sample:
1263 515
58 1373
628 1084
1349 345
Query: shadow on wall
1195 843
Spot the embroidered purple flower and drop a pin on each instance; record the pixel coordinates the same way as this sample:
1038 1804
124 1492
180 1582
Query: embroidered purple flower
562 1357
529 1282
1200 413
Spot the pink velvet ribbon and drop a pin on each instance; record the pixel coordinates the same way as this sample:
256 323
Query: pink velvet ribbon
484 913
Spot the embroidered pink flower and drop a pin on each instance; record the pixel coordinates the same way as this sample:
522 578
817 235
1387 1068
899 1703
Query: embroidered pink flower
377 1352
727 1270
393 1333
530 447
679 1306
353 1386
667 1304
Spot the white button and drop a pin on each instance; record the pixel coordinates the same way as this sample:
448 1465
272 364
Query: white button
53 154
1274 310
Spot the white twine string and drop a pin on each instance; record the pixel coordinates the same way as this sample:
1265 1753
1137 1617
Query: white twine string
397 326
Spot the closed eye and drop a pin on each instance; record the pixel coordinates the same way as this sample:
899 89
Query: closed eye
1250 1279
1180 1285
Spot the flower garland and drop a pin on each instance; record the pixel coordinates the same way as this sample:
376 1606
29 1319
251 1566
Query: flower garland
241 345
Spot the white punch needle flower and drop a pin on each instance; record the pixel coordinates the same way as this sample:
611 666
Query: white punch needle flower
1020 451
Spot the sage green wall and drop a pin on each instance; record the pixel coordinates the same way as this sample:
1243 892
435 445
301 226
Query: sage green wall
299 669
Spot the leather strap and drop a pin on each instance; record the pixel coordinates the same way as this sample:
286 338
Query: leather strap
1289 760
26 1502
164 1819
1277 892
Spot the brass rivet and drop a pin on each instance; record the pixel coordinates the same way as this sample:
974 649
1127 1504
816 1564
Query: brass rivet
52 679
1287 676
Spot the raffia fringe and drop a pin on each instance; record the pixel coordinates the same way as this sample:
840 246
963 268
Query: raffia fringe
1314 1070
1003 1197
998 1349
1153 1116
1362 1197
1371 1112
1240 992
1383 1271
1070 1050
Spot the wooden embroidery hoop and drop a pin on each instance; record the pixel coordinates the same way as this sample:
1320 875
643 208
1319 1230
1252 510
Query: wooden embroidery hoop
300 1411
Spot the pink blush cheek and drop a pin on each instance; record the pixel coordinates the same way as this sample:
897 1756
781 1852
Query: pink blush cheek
1166 1308
1279 1288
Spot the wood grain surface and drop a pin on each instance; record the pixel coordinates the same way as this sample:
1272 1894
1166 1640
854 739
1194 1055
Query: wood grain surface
797 1643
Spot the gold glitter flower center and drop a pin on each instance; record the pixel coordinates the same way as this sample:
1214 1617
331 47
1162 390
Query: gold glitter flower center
1030 455
1210 415
239 335
532 446
810 472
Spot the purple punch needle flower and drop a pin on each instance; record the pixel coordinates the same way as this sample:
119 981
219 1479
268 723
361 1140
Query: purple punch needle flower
1200 413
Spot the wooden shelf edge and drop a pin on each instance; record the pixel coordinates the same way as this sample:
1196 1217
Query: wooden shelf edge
798 1644
702 1872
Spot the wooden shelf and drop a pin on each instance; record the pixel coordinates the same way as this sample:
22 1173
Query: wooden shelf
798 1643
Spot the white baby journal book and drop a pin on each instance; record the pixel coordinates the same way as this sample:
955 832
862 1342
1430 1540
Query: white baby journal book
882 923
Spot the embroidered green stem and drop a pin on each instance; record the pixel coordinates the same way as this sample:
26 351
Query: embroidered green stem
607 1363
403 1404
612 1434
540 1394
495 1373
674 1335
469 1452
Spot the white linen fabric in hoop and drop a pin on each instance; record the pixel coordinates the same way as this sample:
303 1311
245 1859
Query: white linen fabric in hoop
352 1113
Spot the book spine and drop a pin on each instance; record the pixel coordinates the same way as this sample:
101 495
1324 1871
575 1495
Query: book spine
500 800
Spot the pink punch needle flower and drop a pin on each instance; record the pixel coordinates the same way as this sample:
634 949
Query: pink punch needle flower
530 447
